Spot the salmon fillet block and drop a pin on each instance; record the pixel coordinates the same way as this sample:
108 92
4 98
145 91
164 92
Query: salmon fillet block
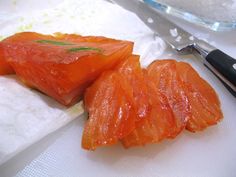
64 65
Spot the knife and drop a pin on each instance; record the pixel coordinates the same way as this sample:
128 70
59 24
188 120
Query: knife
221 64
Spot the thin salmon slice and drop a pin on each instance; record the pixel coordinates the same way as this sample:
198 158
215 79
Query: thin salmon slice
111 114
203 100
157 125
122 93
64 65
131 71
164 74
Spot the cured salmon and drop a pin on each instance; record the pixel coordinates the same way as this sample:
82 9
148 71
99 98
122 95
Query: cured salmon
125 102
164 75
132 72
62 66
204 102
170 110
116 101
172 94
5 68
157 125
111 114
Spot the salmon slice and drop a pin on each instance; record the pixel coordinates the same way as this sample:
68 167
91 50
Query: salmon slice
64 65
121 95
203 100
157 125
109 103
5 68
166 78
131 71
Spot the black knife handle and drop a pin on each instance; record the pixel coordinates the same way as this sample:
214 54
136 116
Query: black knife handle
225 66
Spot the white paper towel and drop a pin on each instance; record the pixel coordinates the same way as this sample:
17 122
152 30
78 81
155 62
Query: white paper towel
26 116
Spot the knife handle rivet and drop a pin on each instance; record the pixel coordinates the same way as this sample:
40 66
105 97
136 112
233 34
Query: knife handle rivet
234 66
150 20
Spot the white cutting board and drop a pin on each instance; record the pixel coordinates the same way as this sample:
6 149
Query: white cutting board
211 153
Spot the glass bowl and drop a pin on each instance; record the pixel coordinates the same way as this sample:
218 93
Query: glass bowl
218 15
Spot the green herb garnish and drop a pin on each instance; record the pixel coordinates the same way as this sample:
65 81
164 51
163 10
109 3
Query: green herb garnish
77 49
53 42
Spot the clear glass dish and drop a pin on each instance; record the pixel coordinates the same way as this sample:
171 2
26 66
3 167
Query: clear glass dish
218 15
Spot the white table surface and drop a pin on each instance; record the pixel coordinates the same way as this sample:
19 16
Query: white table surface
211 153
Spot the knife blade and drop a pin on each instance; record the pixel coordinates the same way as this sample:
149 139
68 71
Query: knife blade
221 64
